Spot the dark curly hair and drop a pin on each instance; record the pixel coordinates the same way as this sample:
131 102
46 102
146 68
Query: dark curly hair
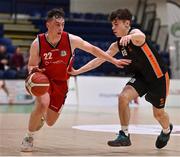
121 14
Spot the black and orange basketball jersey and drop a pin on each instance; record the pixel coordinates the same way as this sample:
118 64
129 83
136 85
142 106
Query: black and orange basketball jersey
55 59
145 60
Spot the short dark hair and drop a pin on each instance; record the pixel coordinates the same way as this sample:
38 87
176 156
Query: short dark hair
56 12
121 14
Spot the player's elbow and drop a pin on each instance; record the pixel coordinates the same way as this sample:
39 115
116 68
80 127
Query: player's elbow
143 37
140 40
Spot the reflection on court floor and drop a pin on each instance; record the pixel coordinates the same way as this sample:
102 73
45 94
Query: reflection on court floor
64 140
133 129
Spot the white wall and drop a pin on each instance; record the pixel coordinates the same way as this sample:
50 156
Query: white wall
89 90
104 91
173 11
101 6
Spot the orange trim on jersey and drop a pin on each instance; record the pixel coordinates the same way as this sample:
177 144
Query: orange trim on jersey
152 60
167 83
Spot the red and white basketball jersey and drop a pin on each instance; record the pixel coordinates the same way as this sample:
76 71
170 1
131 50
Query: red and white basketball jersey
55 59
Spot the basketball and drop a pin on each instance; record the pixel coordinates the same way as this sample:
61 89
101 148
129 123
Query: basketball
37 84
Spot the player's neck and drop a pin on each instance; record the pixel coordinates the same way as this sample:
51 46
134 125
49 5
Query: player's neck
53 39
124 32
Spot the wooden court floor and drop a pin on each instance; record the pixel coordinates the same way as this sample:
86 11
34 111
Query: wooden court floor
63 140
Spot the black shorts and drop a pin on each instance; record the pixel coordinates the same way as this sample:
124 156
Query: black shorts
155 92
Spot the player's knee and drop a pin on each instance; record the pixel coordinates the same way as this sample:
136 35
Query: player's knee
42 108
123 99
50 122
158 115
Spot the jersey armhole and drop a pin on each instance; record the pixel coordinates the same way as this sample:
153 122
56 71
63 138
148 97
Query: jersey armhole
38 39
39 49
69 44
71 58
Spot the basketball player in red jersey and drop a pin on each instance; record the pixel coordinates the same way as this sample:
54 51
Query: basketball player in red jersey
150 76
52 53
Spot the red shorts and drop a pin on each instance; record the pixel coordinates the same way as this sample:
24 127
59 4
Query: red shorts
57 92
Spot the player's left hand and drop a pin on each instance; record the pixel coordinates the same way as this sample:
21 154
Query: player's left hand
36 69
73 71
120 63
125 40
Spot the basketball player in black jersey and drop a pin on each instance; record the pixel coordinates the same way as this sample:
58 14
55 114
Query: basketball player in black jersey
150 76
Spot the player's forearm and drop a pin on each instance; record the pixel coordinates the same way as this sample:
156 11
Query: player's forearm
90 65
101 54
32 63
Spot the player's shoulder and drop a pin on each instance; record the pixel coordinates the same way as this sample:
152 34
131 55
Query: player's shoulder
113 48
135 30
114 45
74 37
75 40
35 43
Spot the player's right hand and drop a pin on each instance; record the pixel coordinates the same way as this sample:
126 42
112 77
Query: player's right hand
120 63
36 69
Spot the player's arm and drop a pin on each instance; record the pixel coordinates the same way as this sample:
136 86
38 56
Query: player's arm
136 36
77 42
113 49
34 58
87 67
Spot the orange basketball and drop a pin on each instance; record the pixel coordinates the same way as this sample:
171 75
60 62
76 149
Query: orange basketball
37 84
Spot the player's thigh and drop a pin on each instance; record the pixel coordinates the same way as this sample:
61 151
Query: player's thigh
55 106
135 87
157 93
42 101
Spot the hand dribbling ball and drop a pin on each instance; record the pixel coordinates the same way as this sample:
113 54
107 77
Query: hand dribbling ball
37 84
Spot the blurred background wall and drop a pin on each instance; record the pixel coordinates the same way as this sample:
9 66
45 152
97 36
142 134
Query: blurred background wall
22 20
